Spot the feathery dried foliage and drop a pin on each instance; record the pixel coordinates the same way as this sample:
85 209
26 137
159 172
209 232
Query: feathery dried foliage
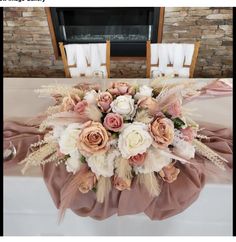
123 168
151 183
103 188
62 118
61 89
211 155
54 109
93 113
143 116
162 82
37 157
68 193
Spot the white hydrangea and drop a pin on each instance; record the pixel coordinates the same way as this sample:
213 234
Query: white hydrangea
154 161
182 148
57 131
103 164
69 138
73 163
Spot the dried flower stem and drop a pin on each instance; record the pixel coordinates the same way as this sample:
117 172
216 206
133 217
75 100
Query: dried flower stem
103 188
38 156
205 151
151 183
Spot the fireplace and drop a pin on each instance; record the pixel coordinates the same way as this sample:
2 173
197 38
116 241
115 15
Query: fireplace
128 29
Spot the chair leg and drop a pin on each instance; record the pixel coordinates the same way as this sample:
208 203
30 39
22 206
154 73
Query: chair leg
194 59
108 56
148 58
64 59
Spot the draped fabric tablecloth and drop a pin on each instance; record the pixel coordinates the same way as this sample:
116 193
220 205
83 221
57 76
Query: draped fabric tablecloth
174 197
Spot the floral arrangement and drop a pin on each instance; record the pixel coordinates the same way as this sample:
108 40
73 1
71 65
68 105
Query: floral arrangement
105 139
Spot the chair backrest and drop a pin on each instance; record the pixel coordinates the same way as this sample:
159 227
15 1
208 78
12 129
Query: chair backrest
171 59
81 59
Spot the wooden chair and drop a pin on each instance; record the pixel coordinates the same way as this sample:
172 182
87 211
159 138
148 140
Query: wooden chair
67 67
187 69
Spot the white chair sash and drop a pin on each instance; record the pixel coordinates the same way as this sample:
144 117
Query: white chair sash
88 59
174 54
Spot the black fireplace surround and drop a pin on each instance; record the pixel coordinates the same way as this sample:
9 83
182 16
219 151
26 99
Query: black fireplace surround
128 29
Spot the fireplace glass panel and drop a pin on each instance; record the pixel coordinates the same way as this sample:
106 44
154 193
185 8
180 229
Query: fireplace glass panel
128 29
117 33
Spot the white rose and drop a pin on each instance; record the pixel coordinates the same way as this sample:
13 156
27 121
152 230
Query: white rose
73 162
134 139
143 91
69 138
103 164
124 105
91 97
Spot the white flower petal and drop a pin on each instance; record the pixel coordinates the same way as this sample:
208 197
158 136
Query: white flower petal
134 139
73 162
144 91
103 164
91 97
69 138
154 161
124 105
57 131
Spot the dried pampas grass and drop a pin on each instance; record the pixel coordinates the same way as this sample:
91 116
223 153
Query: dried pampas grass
143 116
67 194
150 181
62 118
162 82
54 109
37 157
92 112
61 89
211 155
123 168
103 188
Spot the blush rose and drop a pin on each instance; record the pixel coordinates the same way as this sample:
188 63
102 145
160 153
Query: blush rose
113 122
93 139
104 101
162 130
121 184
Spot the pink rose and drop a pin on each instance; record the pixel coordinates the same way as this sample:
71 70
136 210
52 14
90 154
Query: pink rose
121 88
174 109
188 134
149 103
80 107
138 159
113 122
162 130
169 173
93 139
121 184
104 101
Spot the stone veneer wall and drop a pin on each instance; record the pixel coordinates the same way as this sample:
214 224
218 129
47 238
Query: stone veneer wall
28 49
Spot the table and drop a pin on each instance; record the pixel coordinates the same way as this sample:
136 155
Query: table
211 214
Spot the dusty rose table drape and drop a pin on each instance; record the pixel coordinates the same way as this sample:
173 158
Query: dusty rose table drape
174 197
